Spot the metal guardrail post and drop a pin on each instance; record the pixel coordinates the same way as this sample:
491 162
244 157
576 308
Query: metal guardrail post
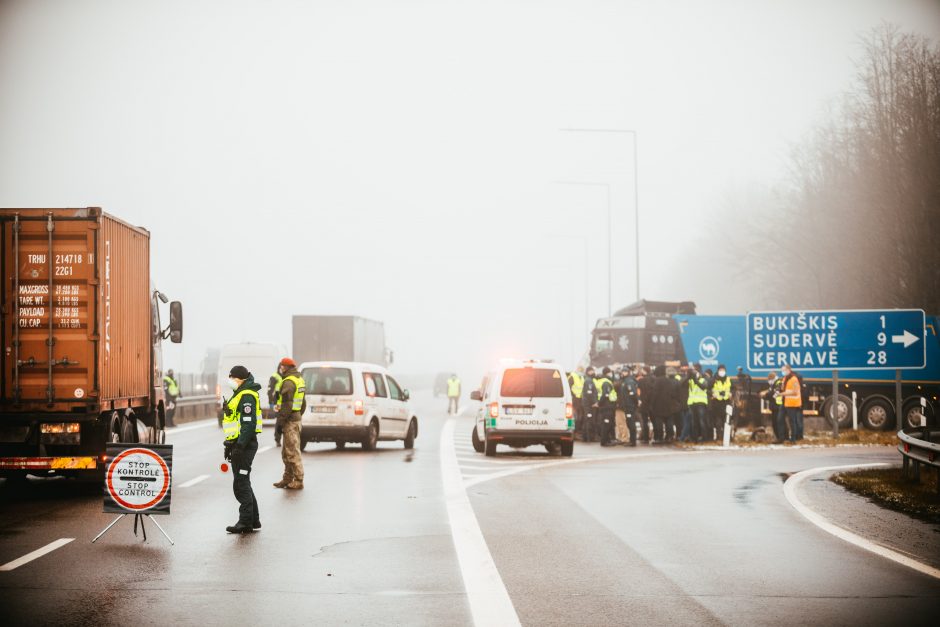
916 448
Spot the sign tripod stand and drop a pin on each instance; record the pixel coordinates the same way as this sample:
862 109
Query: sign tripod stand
137 517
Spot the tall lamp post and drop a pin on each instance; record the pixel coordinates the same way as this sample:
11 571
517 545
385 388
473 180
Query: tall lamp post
607 187
636 185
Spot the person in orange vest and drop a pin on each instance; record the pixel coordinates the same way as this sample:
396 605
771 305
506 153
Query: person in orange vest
793 402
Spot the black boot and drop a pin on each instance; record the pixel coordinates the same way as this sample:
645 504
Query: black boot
256 525
239 528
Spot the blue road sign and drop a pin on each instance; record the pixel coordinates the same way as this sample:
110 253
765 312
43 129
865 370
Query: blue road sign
836 340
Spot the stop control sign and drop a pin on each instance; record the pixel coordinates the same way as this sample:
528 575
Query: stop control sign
138 478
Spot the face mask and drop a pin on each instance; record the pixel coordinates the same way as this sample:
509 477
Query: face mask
232 383
721 373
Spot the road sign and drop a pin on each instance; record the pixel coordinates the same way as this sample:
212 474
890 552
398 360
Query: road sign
138 478
837 340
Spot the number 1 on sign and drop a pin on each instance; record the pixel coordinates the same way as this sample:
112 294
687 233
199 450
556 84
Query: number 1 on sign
882 321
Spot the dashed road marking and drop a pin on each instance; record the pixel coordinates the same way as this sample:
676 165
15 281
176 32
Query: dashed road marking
190 427
52 546
792 484
486 593
194 481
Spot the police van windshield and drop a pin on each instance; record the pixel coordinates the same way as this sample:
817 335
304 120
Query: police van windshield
328 381
531 382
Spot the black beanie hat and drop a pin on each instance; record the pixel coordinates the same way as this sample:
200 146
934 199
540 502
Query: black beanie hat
239 372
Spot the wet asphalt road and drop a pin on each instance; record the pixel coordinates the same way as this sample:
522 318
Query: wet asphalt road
652 536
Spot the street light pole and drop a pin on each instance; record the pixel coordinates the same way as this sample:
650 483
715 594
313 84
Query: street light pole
636 185
609 248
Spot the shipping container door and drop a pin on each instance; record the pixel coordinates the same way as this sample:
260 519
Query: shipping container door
49 293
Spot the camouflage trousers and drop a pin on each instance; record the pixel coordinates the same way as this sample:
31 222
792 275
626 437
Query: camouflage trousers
290 452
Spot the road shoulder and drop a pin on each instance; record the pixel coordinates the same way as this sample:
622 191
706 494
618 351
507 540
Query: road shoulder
899 532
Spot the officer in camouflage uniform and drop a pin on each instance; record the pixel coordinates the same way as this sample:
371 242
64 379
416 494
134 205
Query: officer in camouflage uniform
290 407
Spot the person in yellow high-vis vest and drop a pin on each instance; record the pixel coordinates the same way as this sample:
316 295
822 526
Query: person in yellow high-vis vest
241 424
290 407
721 400
453 394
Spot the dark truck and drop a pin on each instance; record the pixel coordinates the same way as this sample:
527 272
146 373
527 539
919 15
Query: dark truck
81 338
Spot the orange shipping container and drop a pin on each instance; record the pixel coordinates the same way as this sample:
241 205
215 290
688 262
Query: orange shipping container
78 329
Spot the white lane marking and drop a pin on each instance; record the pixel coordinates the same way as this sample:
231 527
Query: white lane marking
489 601
194 481
196 425
461 410
263 449
792 484
578 460
52 546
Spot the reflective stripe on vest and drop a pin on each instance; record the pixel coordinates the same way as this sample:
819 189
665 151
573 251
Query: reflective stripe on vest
721 390
577 384
777 387
171 388
599 384
277 390
232 423
697 393
300 388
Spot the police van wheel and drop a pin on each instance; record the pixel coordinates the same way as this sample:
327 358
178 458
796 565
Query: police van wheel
490 448
477 442
567 448
303 443
340 444
368 443
410 438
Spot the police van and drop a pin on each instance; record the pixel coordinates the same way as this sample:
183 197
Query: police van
524 403
355 402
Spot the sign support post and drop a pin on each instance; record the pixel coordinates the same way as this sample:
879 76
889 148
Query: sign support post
834 405
899 420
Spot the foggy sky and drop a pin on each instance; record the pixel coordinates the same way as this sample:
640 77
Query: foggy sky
400 160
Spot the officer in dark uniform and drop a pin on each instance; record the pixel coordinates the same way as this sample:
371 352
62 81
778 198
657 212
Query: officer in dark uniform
241 425
589 405
628 399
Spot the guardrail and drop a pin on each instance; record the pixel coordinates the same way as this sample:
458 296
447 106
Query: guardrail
919 446
191 408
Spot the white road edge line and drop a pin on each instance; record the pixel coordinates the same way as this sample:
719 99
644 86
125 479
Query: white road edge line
792 484
52 546
263 449
196 425
486 593
194 481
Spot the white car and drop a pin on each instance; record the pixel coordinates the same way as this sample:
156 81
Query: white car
355 402
524 403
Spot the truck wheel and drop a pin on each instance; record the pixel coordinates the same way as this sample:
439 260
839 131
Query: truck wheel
567 448
340 444
490 448
912 412
372 437
477 442
878 414
128 433
114 432
410 437
843 410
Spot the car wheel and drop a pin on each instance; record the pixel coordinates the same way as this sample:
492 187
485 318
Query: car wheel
477 442
340 444
490 448
878 414
410 438
303 443
372 437
567 448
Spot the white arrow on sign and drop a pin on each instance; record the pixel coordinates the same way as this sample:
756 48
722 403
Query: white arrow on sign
907 339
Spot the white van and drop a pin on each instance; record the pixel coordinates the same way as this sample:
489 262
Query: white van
524 403
355 402
261 361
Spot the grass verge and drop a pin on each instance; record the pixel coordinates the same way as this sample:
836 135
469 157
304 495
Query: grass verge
886 487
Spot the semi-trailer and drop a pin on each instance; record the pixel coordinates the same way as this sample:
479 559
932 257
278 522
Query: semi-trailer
80 340
339 338
660 333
